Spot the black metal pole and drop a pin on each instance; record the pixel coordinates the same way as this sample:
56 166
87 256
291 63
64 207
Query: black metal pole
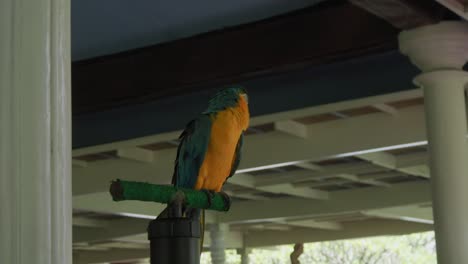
174 241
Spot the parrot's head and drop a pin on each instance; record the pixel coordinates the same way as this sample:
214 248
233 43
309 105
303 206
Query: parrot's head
228 97
232 97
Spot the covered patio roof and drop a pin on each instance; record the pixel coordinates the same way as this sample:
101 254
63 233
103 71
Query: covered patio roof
337 143
342 170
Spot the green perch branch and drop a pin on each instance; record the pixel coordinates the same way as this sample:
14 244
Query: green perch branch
140 191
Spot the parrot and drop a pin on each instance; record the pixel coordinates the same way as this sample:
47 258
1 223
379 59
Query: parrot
210 146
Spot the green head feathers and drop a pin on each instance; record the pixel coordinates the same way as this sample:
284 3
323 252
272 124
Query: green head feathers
225 98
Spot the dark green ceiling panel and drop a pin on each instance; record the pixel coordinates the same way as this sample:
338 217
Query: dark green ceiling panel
369 76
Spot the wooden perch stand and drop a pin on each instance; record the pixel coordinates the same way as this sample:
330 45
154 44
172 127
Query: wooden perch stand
173 240
139 191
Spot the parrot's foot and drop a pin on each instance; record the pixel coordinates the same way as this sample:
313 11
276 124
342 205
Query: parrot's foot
227 200
209 195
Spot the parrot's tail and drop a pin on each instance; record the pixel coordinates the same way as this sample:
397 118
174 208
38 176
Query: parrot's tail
201 215
202 229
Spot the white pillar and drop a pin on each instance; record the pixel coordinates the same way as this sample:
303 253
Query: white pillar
440 51
244 253
217 247
35 132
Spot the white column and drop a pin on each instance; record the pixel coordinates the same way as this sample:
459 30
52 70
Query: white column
440 51
35 132
244 253
217 247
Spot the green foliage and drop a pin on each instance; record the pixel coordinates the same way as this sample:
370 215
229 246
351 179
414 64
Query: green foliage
415 249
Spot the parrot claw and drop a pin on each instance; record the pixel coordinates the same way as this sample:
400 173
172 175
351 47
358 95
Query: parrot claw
209 195
227 200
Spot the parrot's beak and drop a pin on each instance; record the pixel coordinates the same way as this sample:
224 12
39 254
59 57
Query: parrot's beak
246 97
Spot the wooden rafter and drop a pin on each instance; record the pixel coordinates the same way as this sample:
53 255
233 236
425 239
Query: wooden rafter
309 37
459 7
403 14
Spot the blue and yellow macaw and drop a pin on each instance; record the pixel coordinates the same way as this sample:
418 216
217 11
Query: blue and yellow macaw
210 146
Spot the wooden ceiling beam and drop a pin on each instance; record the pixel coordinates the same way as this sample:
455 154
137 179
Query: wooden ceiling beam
459 7
329 32
464 3
403 14
461 4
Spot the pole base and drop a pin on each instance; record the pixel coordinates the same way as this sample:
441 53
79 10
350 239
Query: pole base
174 241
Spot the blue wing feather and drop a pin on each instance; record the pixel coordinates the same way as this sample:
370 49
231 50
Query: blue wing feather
191 151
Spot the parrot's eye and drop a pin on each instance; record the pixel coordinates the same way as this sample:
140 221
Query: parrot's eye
246 97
